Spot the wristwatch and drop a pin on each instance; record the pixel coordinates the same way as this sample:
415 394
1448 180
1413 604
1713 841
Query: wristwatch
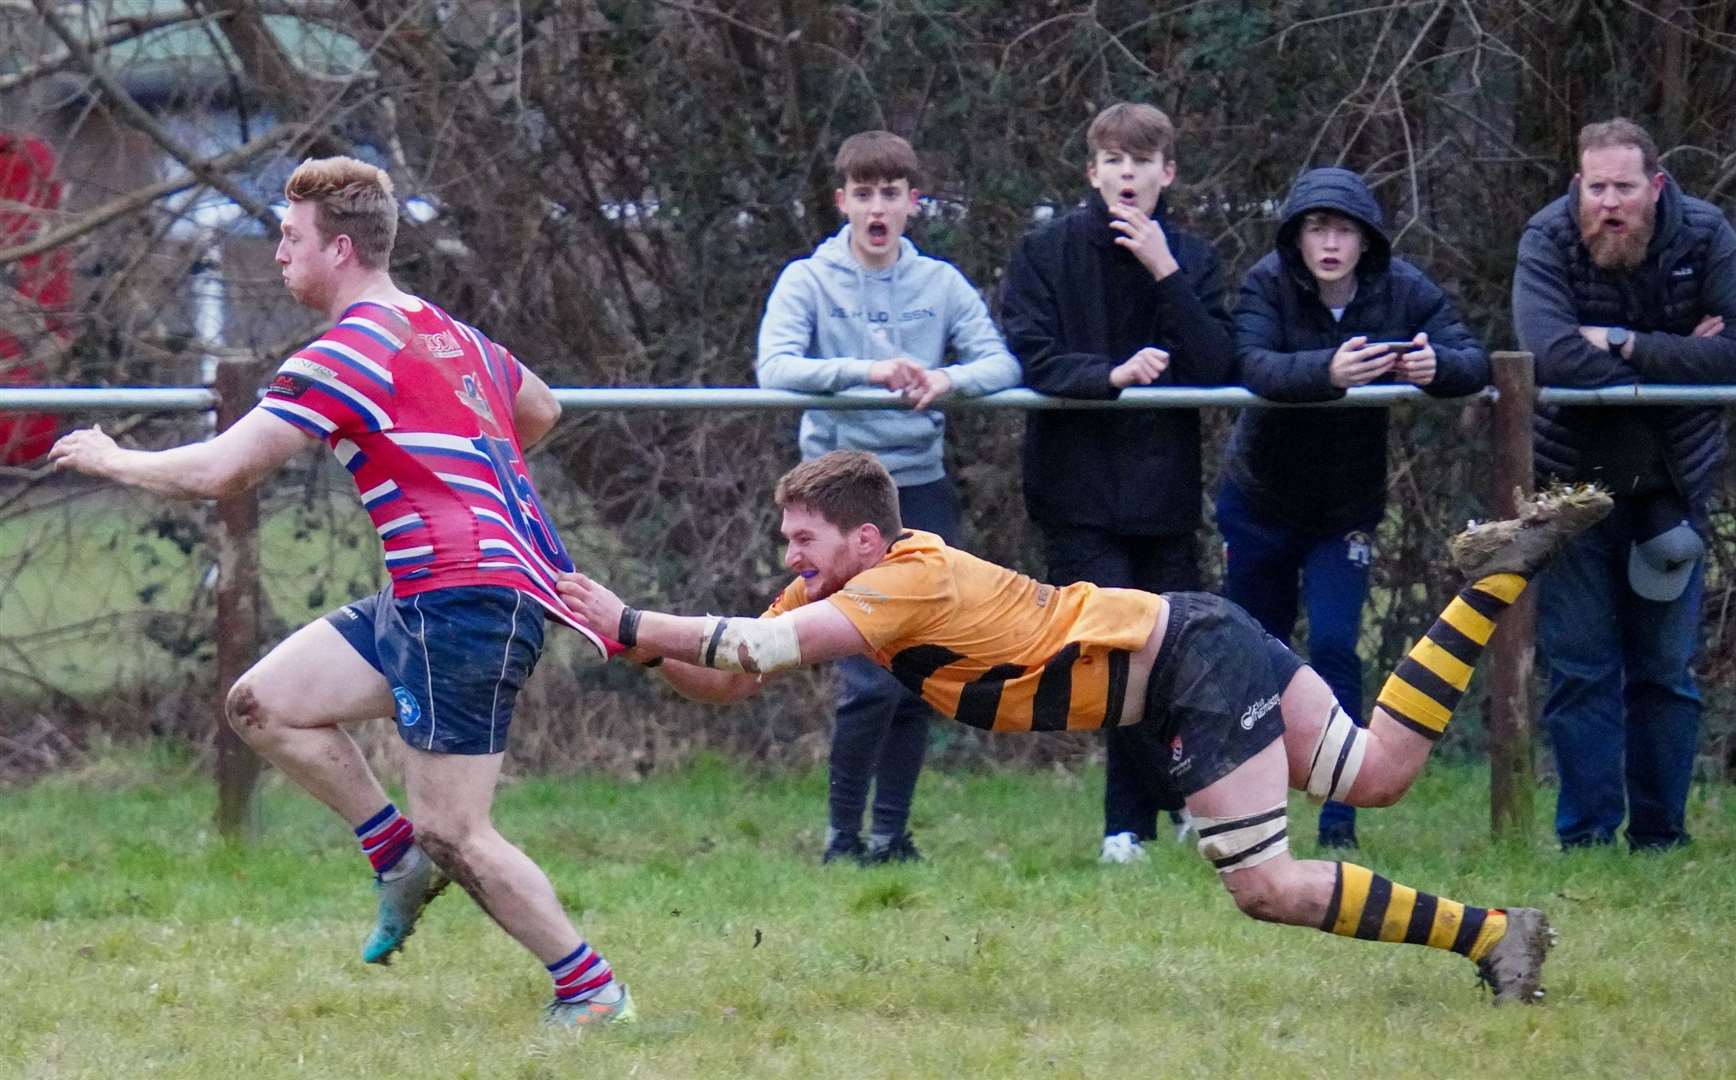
1617 337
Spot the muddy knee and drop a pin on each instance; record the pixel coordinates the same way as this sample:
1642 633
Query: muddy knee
248 715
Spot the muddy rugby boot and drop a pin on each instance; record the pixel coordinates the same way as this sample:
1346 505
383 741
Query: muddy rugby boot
1523 543
1513 968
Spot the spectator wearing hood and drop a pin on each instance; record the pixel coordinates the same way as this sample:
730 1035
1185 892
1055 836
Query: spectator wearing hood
1329 308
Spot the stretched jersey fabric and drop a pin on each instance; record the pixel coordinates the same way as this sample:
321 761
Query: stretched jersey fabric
419 407
990 647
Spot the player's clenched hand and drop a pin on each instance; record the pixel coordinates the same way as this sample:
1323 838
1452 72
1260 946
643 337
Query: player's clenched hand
1141 369
591 601
1710 326
88 450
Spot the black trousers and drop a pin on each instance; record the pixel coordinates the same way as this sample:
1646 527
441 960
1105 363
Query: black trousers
1132 795
880 735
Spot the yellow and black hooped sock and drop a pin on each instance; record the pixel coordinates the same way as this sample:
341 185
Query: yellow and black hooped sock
1427 684
1366 905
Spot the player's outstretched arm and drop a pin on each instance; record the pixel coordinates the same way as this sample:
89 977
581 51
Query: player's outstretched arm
234 461
746 646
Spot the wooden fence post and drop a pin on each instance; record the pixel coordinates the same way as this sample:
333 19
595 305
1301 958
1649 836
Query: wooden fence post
238 629
1512 781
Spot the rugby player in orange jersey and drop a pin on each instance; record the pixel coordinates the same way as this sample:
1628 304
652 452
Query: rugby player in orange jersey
1243 717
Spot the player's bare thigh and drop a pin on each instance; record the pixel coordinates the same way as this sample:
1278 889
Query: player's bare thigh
313 678
1395 753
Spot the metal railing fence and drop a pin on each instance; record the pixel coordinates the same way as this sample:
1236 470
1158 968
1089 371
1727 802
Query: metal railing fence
1512 780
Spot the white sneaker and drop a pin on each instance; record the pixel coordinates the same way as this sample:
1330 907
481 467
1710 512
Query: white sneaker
1122 847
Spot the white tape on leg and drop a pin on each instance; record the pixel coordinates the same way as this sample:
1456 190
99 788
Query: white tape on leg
1238 843
1337 757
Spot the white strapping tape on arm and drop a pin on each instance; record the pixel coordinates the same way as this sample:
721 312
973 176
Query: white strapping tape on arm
750 646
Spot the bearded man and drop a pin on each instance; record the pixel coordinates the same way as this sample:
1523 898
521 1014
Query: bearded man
1625 280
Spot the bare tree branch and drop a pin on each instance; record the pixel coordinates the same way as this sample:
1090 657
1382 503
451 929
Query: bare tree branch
134 200
145 122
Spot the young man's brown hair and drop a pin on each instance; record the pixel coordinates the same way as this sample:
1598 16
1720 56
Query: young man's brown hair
846 487
1620 132
1132 128
351 198
876 157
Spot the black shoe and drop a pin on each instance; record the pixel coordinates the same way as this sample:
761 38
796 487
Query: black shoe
1339 835
897 850
845 845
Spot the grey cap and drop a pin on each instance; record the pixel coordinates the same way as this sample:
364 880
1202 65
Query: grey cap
1659 568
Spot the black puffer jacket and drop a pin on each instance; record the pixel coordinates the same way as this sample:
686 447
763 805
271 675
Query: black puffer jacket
1689 273
1075 305
1324 470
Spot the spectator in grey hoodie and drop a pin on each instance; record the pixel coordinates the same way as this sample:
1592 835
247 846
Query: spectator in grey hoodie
869 310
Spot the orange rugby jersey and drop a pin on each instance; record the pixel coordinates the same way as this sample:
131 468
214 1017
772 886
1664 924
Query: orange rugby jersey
989 647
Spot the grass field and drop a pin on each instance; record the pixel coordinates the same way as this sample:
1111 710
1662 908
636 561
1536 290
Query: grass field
134 943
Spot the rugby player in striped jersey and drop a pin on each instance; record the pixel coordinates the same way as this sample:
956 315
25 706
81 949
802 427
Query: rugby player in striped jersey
1242 717
431 419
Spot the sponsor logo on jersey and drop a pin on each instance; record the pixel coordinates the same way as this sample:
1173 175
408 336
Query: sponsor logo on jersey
301 365
288 386
1257 710
443 344
1043 594
474 399
866 599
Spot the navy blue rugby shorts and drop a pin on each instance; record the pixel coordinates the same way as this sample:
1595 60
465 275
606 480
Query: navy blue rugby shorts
455 659
1212 702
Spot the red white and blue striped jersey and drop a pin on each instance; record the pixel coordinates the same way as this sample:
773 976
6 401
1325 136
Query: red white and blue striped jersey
419 408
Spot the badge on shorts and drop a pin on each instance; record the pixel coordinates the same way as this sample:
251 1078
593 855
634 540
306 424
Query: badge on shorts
408 711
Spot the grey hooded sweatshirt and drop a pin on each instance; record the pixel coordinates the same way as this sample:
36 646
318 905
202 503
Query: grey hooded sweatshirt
829 318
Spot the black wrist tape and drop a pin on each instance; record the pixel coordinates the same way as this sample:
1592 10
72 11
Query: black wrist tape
628 632
711 646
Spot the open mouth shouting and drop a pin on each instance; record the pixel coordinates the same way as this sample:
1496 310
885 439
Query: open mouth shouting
878 232
1127 197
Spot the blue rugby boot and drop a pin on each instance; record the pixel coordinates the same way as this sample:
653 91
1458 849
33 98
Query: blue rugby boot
404 891
592 1012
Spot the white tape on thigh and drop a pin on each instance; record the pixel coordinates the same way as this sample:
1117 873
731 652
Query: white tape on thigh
1337 757
751 646
1238 843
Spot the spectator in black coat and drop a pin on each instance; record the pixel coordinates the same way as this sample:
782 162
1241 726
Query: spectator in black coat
1304 490
1108 296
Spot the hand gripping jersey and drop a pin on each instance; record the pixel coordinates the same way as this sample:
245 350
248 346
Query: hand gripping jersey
989 647
419 408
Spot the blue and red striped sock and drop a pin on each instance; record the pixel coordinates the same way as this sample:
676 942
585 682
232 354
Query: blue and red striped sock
385 838
580 974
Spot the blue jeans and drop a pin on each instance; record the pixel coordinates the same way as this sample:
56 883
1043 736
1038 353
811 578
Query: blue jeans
1623 709
1133 786
1264 560
880 735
